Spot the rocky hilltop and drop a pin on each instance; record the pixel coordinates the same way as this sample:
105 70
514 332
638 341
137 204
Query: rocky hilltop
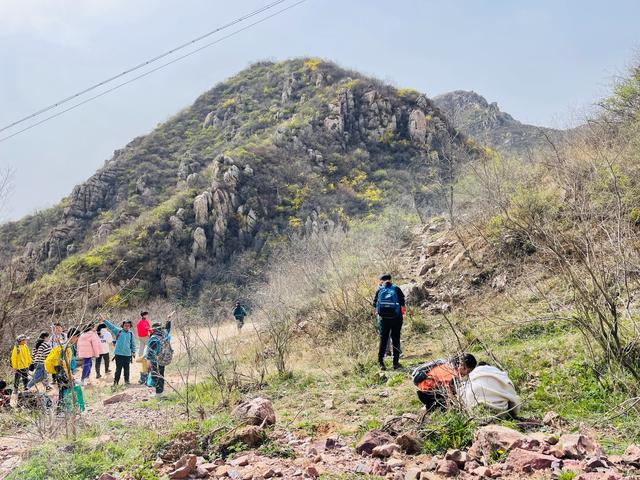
280 148
474 116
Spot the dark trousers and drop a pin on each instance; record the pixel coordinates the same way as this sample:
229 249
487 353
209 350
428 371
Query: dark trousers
122 363
60 377
22 374
105 357
157 374
390 327
432 399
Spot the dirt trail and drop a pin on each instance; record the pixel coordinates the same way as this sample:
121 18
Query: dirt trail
133 412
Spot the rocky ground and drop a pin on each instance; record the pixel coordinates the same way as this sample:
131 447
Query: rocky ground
391 452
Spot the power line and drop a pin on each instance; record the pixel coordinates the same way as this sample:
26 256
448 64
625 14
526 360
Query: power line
143 64
120 85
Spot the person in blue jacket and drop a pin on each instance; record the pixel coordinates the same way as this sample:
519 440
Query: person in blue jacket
125 349
153 350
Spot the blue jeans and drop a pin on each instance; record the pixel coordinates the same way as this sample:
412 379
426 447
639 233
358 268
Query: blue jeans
39 375
86 367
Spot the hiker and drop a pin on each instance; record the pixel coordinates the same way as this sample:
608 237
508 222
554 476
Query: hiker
40 352
387 352
159 354
125 349
88 348
20 362
106 340
489 386
58 363
436 381
390 305
239 312
5 395
143 328
58 337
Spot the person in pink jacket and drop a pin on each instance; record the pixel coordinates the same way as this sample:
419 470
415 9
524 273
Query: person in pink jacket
89 347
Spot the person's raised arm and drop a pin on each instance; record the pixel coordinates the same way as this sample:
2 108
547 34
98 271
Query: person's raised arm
114 330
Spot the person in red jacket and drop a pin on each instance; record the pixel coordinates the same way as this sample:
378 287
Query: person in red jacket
143 328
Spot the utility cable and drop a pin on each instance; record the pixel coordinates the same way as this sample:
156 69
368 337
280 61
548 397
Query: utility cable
143 64
120 85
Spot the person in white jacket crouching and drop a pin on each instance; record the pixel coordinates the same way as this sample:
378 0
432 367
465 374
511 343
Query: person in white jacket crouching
491 387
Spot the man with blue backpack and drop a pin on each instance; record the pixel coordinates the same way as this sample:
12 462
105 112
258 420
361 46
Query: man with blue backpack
389 304
159 354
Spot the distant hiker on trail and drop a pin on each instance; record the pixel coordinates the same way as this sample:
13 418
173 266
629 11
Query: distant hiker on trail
437 381
239 312
58 337
159 354
125 349
20 362
143 329
40 352
58 363
89 347
489 386
389 304
387 352
106 340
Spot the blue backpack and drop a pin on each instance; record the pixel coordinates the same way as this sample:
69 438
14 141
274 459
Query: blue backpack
387 304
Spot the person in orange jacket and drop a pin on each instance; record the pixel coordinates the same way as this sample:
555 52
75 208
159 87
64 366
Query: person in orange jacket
437 381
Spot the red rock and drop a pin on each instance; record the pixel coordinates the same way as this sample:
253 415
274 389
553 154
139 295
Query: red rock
576 446
457 456
242 461
595 463
491 438
312 472
386 450
210 467
632 456
201 472
222 470
190 461
180 473
120 397
598 476
372 439
106 476
528 461
482 472
256 412
409 443
448 468
412 474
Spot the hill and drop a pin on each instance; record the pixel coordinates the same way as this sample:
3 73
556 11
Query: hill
280 148
474 116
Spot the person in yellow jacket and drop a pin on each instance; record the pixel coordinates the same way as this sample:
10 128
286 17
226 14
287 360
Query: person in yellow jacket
20 362
59 365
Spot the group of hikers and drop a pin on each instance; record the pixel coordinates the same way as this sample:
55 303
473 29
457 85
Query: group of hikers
70 356
441 383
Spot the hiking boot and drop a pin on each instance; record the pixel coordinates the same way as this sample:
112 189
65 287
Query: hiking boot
396 365
382 366
107 371
98 375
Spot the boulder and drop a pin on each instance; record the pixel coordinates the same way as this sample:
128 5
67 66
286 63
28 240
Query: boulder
632 456
120 397
417 126
412 474
386 450
180 473
576 446
457 456
482 472
409 443
188 460
528 461
256 412
491 438
106 476
599 476
372 439
251 436
447 468
413 294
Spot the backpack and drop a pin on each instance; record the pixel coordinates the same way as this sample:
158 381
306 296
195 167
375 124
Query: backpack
165 351
387 305
53 360
421 372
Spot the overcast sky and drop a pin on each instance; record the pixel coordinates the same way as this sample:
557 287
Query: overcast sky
541 60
